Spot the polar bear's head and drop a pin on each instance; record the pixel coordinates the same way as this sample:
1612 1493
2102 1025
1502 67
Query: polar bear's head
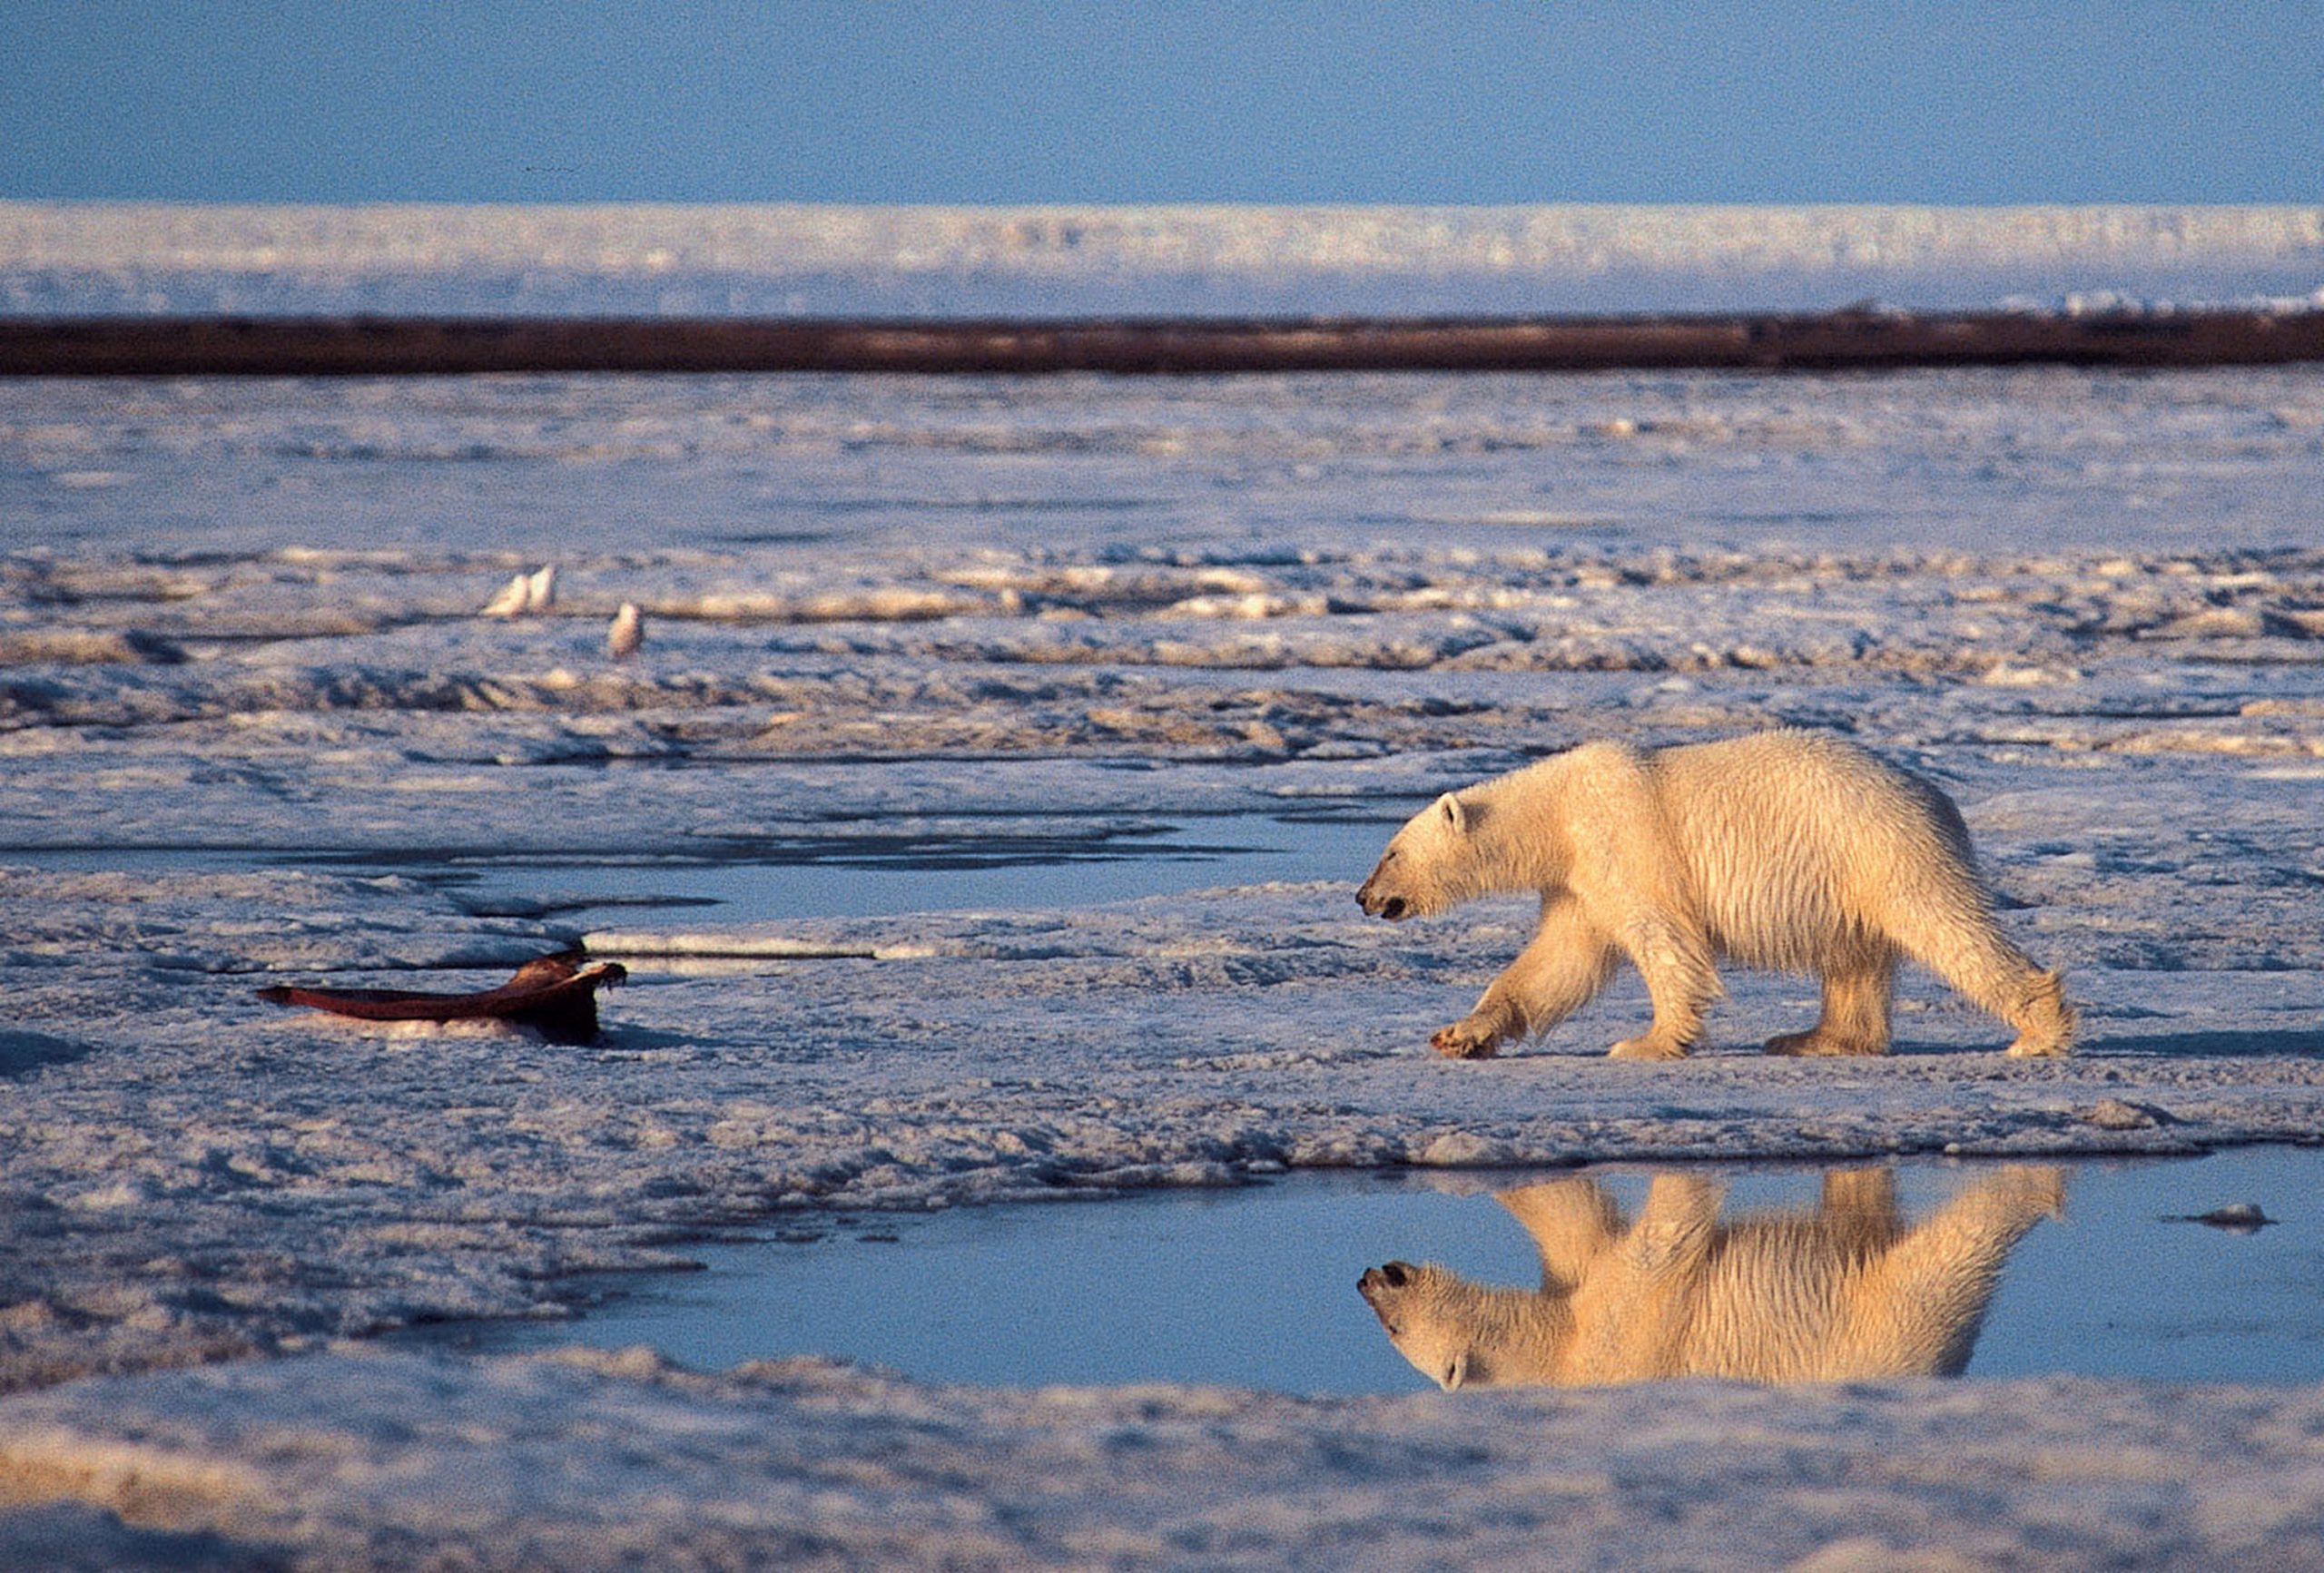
1459 1334
1426 866
1410 1303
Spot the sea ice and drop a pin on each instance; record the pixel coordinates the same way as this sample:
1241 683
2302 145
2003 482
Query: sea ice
799 259
254 730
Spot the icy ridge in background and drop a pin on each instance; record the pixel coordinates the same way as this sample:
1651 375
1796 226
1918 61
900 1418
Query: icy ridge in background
792 260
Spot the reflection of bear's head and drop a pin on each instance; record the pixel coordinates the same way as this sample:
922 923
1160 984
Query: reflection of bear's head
1426 868
1842 1290
1458 1333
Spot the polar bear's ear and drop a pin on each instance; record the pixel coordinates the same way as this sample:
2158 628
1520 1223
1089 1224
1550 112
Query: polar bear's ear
1455 816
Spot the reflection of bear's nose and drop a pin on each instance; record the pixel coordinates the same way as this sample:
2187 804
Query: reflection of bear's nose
1394 1275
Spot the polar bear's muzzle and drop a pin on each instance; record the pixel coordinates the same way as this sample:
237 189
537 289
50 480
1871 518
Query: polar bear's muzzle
1393 907
1379 1286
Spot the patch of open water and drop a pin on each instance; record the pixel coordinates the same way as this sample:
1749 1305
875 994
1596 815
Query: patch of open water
2100 1270
1006 862
1007 866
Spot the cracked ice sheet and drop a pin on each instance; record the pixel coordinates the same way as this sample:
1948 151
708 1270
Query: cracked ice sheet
2091 607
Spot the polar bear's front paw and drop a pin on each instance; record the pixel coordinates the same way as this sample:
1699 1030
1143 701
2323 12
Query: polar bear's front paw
1649 1047
1466 1039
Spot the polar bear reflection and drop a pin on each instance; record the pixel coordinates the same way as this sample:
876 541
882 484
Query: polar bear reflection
1843 1292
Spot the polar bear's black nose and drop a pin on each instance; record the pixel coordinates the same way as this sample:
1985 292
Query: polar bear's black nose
1395 1275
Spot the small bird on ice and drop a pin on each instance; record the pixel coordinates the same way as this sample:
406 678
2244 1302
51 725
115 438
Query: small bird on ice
533 592
509 602
627 633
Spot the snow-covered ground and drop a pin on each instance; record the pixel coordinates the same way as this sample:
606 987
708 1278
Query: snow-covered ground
776 260
250 723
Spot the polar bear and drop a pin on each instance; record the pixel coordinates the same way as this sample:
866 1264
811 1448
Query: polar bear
1842 1293
1788 849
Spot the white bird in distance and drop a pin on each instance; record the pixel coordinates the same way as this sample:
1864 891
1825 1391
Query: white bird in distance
533 592
627 633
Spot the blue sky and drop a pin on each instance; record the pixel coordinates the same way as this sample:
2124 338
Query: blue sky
1061 101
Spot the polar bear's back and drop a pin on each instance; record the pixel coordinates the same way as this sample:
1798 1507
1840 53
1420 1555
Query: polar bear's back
1776 1293
1802 846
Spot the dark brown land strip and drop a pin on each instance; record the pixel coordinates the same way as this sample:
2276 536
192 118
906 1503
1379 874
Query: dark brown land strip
1850 339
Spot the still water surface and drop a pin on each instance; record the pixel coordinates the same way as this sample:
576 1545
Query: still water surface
1258 1287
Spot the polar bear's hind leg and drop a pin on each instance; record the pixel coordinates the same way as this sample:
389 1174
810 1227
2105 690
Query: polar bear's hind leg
1955 937
1856 1008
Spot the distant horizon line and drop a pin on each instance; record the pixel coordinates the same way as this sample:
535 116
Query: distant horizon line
1178 204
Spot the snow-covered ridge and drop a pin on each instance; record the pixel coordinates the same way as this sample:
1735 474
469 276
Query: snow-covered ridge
356 1458
272 633
70 259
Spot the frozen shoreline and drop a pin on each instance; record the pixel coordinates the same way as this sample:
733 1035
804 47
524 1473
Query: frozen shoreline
2090 606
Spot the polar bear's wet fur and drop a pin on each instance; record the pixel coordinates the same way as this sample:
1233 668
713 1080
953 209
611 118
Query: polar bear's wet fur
1843 1293
1785 849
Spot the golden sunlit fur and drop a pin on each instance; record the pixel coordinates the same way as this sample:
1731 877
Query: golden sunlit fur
1787 850
1845 1293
